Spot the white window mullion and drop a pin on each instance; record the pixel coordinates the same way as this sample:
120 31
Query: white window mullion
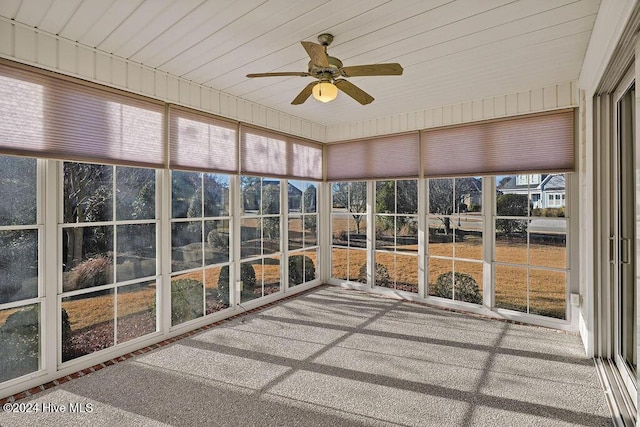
284 232
163 295
422 237
325 230
114 206
488 240
50 260
371 234
235 207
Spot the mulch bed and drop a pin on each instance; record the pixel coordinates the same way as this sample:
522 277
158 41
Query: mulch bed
100 336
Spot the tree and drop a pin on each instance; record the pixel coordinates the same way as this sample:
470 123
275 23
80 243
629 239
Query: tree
353 197
396 197
87 198
135 193
184 185
310 199
18 257
216 195
407 196
251 188
17 185
271 206
446 196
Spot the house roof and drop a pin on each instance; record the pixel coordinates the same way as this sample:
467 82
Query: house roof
549 182
292 188
553 182
511 183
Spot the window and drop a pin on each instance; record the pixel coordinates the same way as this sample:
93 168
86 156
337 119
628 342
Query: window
200 253
455 238
530 257
555 200
19 264
303 231
396 254
533 179
109 256
349 230
259 237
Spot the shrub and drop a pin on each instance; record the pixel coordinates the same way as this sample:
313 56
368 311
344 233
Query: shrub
511 205
549 212
301 269
464 286
89 273
186 300
20 338
474 208
382 275
248 277
67 350
17 264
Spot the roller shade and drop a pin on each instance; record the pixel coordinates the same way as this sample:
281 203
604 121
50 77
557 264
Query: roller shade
394 156
270 153
48 116
535 143
202 142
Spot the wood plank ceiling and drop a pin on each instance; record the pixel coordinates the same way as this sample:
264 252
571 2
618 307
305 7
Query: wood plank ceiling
451 51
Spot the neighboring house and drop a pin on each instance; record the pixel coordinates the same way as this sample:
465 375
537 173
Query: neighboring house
552 191
472 195
544 190
294 193
295 198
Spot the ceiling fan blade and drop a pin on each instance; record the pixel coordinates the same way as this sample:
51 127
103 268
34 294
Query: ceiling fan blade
392 69
316 53
281 74
354 91
302 96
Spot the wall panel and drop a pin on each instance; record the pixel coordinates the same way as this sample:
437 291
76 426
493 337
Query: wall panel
36 47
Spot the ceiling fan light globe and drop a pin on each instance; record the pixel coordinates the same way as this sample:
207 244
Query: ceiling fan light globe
325 91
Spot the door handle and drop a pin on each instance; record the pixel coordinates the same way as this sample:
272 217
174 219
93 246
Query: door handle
625 251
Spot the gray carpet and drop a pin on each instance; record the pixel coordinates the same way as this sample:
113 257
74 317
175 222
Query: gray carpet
336 357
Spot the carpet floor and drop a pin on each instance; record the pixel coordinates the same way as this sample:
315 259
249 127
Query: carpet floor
336 357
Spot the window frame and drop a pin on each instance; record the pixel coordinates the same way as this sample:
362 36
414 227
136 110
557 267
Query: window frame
528 266
302 215
114 285
40 301
202 219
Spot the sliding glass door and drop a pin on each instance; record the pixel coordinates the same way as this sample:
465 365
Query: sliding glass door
624 195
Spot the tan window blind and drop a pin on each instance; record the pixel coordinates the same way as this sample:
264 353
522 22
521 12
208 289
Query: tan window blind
394 156
47 116
542 142
270 153
202 142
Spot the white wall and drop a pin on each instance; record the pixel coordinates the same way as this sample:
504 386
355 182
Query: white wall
33 47
610 23
561 95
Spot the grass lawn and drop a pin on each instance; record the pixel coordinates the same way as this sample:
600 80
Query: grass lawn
545 296
90 311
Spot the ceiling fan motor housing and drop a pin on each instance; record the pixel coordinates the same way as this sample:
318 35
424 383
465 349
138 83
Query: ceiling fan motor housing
321 72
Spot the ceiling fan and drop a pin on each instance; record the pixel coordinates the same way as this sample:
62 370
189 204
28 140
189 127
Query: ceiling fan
329 74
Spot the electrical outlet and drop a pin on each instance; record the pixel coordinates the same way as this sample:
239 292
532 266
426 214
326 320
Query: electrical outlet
575 300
